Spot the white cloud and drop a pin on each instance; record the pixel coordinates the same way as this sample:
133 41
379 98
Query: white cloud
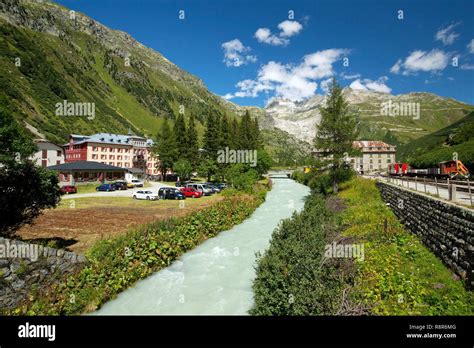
235 53
395 69
447 35
287 29
432 61
470 46
358 85
370 85
264 35
293 82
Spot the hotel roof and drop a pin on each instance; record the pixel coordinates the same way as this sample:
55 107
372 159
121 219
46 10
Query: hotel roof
108 138
85 165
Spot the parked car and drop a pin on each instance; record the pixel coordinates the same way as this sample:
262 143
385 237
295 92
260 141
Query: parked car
136 183
170 193
190 192
204 189
120 185
105 187
213 187
148 195
67 189
221 185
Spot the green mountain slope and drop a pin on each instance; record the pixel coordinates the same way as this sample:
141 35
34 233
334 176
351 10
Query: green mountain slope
435 113
46 57
441 145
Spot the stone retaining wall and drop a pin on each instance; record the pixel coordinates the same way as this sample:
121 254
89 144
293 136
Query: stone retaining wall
445 228
24 267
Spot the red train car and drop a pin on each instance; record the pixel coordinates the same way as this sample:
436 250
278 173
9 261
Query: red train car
398 169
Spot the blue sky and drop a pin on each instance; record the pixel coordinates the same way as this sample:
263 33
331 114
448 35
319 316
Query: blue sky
271 53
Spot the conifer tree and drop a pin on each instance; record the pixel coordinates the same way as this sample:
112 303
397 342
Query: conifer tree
336 132
165 148
179 133
192 145
245 132
225 132
234 134
211 138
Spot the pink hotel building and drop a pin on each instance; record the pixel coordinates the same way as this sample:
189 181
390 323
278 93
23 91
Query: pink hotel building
126 151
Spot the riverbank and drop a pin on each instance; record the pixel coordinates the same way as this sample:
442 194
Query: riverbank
216 277
116 264
349 255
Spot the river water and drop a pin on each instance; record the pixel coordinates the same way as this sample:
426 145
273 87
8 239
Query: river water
215 277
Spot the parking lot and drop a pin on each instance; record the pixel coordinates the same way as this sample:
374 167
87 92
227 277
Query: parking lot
82 219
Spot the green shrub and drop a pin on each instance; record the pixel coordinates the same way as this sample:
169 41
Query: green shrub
291 277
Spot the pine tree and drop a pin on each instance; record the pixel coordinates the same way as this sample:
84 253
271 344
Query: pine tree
166 148
245 132
336 132
234 134
179 133
257 140
211 138
225 133
192 145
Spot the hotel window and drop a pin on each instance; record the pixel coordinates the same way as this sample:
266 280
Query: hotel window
389 160
104 149
94 148
380 161
94 156
58 153
103 156
112 157
112 149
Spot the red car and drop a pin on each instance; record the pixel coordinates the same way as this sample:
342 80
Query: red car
67 189
190 192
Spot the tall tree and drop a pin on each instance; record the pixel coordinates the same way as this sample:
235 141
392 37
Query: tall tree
211 137
246 138
192 145
211 146
257 140
234 134
166 148
179 133
25 188
225 132
336 132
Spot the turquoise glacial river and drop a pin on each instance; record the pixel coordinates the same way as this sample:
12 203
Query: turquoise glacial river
215 277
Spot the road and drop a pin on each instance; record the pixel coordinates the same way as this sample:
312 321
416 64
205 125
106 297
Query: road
121 193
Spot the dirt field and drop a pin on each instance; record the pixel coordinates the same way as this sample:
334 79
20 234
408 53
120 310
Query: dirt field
77 224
